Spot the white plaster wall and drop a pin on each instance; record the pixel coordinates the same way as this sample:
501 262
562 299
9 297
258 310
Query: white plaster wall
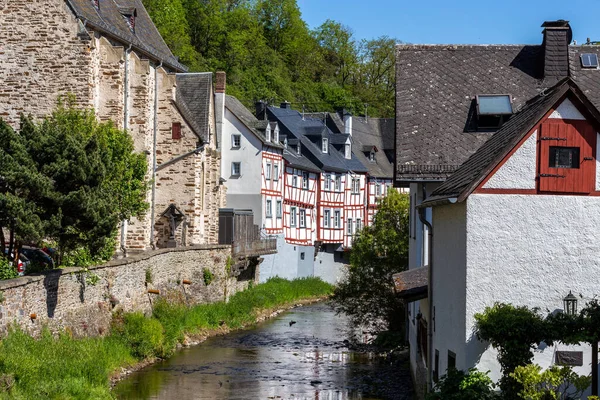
331 265
249 183
566 110
528 250
449 282
519 171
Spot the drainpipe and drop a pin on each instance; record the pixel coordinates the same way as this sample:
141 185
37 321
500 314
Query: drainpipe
125 128
429 293
155 130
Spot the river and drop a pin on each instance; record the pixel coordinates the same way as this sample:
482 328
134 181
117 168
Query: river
301 354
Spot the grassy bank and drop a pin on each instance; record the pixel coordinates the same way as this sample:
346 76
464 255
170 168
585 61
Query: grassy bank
67 368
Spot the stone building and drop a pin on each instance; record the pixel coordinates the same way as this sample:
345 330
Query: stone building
112 58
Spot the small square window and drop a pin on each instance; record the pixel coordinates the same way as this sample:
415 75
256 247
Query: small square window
236 169
176 130
236 141
564 157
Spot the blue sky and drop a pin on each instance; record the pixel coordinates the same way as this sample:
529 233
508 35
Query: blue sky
455 21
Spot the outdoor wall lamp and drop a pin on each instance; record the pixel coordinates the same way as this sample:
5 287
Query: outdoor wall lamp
570 304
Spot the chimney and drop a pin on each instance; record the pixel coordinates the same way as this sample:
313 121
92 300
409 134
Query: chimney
347 122
557 37
261 108
286 104
220 84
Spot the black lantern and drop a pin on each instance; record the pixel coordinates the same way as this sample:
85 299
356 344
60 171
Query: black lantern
570 304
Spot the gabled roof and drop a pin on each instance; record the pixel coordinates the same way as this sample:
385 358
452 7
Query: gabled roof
256 126
378 133
193 101
109 20
309 132
472 172
299 161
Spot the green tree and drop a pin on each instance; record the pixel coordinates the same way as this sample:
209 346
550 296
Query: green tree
378 252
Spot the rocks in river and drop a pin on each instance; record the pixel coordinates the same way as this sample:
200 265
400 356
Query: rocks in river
315 382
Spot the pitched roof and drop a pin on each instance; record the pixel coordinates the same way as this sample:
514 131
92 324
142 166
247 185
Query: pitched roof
256 126
299 161
374 132
436 85
435 90
309 132
480 164
193 101
109 20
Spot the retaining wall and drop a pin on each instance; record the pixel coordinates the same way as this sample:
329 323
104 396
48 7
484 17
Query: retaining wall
70 299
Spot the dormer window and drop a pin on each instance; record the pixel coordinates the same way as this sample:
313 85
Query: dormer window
96 4
285 143
493 110
372 156
324 145
348 150
298 148
268 133
276 134
129 14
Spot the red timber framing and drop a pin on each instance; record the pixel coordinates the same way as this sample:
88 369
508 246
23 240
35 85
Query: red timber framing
272 183
354 206
552 180
300 195
376 188
330 203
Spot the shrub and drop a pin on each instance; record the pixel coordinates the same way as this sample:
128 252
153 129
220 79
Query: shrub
7 270
458 385
144 335
208 276
148 278
559 383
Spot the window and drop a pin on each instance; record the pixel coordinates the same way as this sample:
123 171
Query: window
589 60
436 369
298 148
275 172
326 218
236 168
276 135
285 143
268 172
377 189
129 16
327 182
294 179
372 156
278 209
176 130
268 133
349 226
355 186
358 224
338 183
493 110
304 180
236 141
324 145
293 216
302 218
269 209
564 157
451 360
302 256
336 219
347 151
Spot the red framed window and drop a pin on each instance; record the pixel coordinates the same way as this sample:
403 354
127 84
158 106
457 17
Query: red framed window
176 130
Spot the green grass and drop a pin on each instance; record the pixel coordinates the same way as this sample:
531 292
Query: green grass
67 368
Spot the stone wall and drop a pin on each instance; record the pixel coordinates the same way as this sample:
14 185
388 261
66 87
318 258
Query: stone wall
67 299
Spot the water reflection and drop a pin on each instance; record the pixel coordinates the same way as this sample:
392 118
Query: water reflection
276 360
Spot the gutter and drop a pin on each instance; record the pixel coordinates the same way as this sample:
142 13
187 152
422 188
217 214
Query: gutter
125 128
154 134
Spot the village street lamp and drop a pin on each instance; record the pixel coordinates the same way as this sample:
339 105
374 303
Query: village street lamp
570 304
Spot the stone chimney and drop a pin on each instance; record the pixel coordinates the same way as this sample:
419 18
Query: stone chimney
261 109
347 121
557 37
286 104
220 84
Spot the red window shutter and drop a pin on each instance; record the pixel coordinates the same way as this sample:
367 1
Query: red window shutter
176 130
561 134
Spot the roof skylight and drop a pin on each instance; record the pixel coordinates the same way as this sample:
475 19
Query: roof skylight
589 60
494 104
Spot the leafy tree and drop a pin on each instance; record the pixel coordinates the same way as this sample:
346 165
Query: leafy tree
460 385
378 252
559 383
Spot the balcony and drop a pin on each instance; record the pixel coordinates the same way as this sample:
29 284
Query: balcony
236 227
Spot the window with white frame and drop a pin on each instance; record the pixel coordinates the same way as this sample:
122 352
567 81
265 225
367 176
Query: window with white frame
268 133
302 218
372 156
278 210
236 141
326 218
268 172
355 185
275 172
338 183
336 218
377 189
269 210
293 216
349 226
236 168
294 179
276 135
326 182
304 180
358 224
324 145
347 151
298 148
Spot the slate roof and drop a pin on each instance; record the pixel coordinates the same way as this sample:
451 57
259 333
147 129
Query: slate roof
480 164
299 161
309 132
378 132
257 127
193 101
436 85
109 20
